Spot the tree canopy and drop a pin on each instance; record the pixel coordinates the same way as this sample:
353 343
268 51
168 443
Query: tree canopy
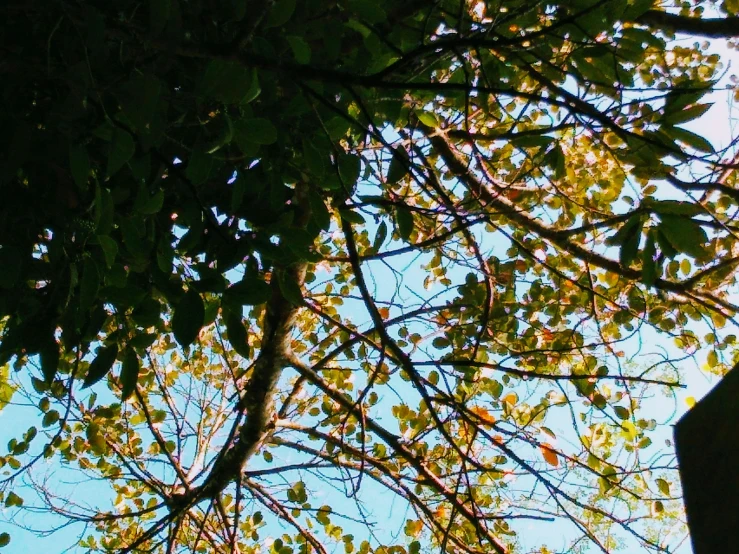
269 268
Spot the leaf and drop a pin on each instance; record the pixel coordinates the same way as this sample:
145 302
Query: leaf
368 10
281 12
49 358
429 119
300 49
110 249
399 166
147 313
350 166
122 149
621 412
188 318
630 246
79 163
684 234
626 230
404 219
351 216
4 539
440 342
229 82
237 334
257 130
290 288
688 114
89 284
664 245
380 236
149 204
101 365
248 292
649 264
159 11
549 455
663 486
199 167
12 499
690 138
129 373
674 207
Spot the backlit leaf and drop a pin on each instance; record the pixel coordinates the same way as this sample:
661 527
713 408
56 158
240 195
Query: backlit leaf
101 365
188 318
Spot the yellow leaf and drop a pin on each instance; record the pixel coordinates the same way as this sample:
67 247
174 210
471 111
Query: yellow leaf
483 414
511 398
549 455
690 401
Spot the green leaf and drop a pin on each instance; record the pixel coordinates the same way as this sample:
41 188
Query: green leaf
440 342
631 226
110 249
4 539
429 119
380 236
188 318
89 284
138 246
257 130
290 288
281 12
147 313
237 335
368 10
404 219
351 216
103 210
663 486
49 358
248 292
621 412
300 48
399 166
79 163
149 204
101 365
122 149
229 82
13 500
199 167
350 166
129 373
159 11
555 159
685 235
319 211
688 114
674 207
690 138
649 264
630 246
665 245
11 258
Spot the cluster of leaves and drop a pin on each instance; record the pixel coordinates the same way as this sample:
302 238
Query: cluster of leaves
353 249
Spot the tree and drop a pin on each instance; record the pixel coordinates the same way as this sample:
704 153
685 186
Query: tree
267 262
